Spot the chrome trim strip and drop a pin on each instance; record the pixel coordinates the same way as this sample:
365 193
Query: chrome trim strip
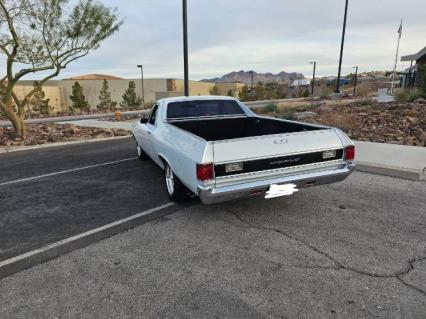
248 159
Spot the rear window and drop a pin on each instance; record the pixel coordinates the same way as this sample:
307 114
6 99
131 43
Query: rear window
203 108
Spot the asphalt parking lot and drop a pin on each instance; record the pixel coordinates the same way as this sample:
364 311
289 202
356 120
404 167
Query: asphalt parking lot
355 249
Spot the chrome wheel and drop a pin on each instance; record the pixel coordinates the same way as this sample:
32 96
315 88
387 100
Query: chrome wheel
170 182
139 149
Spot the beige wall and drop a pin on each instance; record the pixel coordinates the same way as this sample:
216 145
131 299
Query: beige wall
223 88
53 93
59 91
195 88
117 88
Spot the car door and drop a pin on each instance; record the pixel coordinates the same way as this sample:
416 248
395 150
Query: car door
149 130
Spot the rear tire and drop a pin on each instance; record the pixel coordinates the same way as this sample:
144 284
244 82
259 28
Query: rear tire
176 190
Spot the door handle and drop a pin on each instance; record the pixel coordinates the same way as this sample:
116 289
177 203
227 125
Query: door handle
149 132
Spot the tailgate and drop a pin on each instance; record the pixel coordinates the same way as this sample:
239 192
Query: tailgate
271 146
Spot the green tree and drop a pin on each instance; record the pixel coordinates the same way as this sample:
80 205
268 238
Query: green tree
306 93
230 93
282 91
214 90
271 90
244 94
46 36
260 91
105 101
38 103
78 99
130 98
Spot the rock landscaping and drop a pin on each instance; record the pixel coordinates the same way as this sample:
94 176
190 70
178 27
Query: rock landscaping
51 133
393 123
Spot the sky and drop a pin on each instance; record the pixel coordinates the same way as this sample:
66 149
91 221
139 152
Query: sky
266 36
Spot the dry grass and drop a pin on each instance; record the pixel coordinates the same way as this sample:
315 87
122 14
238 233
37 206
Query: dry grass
343 121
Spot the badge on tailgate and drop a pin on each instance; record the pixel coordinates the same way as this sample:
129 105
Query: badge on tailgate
329 154
234 167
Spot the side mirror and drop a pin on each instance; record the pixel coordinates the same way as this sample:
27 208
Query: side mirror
144 120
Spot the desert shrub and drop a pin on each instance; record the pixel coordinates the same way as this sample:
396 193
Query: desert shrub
288 112
362 91
364 102
325 93
407 95
271 108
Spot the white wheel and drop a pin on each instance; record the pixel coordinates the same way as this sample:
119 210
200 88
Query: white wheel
176 190
170 181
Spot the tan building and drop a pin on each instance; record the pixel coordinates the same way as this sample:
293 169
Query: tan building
59 91
224 88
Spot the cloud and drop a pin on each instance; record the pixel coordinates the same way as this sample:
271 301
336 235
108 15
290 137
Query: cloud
267 36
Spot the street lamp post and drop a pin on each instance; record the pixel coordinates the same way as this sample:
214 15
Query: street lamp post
355 79
143 90
341 48
313 77
185 46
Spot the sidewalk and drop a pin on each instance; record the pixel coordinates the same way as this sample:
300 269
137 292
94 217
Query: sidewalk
102 124
392 160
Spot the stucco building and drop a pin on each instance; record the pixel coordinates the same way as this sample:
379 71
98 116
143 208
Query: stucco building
411 76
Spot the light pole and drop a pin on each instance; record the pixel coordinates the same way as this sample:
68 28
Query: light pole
355 79
341 48
313 77
143 90
185 46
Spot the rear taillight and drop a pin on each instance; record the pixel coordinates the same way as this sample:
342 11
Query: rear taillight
205 172
350 153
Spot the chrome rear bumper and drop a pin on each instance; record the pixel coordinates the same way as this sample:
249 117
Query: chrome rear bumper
213 195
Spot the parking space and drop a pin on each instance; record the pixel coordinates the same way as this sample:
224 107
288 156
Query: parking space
62 192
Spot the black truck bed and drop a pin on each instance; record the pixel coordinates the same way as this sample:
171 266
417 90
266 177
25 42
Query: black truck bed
224 129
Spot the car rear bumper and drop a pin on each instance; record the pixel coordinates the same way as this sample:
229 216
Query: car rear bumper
213 195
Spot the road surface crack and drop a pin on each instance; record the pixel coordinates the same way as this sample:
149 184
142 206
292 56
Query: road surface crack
339 266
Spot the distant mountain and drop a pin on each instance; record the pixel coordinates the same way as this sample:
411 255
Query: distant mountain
245 77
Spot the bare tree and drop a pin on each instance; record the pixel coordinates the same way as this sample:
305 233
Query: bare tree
46 36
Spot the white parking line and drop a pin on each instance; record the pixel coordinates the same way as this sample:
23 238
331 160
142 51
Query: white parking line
66 171
82 235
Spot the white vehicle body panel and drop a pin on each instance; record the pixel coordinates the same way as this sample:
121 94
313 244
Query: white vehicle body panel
182 150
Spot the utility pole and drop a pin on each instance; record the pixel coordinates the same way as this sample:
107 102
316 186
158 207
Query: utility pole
355 79
143 90
396 57
185 46
341 48
313 77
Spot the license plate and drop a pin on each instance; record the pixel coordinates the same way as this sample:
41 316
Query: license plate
281 190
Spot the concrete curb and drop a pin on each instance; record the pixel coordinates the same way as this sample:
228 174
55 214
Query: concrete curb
8 149
399 172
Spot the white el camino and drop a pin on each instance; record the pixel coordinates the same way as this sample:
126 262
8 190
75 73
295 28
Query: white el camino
218 149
